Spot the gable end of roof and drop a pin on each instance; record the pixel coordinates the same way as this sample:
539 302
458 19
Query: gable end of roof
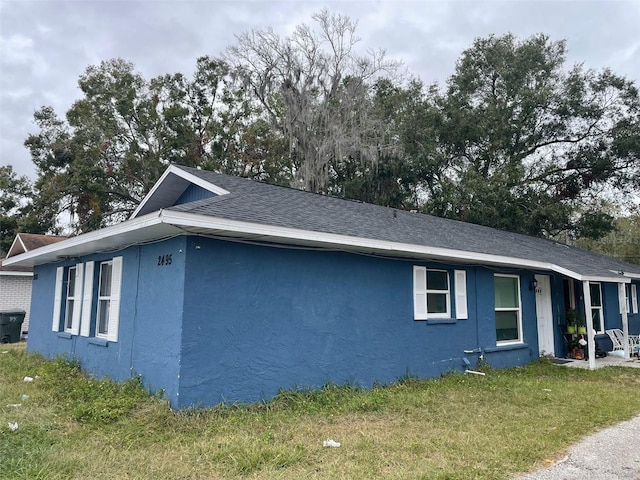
169 187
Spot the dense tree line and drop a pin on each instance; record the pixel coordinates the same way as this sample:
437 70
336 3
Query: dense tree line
623 242
517 139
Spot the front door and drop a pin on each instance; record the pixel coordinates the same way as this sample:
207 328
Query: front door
544 311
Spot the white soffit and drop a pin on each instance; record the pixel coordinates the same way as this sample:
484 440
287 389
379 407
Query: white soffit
116 237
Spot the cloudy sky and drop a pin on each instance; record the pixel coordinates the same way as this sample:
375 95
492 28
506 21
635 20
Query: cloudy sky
45 45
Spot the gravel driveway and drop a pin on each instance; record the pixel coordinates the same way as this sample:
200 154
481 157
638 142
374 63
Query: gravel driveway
613 453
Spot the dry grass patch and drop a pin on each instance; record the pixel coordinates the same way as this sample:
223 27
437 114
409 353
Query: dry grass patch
454 427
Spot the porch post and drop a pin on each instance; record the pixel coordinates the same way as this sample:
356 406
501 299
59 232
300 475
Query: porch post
591 344
625 318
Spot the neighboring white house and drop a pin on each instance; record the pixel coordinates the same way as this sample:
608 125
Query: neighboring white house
15 290
15 282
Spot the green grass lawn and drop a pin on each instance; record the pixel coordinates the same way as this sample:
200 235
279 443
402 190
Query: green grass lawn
454 427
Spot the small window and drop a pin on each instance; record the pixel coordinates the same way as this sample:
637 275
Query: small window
108 309
437 292
597 312
431 293
67 305
630 299
507 308
74 308
71 299
104 298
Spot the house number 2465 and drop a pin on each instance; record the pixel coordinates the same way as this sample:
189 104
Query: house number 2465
164 260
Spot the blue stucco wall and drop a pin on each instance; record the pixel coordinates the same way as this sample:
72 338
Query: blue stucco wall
611 306
158 315
150 318
235 322
257 319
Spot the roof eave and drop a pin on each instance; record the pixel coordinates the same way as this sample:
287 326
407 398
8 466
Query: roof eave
201 224
164 223
15 273
116 237
606 279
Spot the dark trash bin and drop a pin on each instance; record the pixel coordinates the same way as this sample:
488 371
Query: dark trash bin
603 344
11 325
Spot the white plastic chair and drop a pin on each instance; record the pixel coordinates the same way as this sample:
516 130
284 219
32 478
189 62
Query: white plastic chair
617 338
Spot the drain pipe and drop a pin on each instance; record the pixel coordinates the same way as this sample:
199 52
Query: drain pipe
467 364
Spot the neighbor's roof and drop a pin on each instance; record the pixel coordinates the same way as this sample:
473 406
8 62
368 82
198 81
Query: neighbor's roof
25 242
243 208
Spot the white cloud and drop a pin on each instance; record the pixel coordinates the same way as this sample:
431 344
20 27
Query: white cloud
18 49
17 93
46 45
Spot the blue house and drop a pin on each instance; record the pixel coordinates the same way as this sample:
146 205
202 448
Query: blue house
221 288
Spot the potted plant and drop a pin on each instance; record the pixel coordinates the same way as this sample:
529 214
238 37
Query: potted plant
582 327
572 320
575 349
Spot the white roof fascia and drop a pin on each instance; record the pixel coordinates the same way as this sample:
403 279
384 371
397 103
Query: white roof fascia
24 247
16 240
11 273
167 222
146 198
174 170
330 239
595 278
109 238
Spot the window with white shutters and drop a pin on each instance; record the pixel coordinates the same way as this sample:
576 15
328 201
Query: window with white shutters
432 293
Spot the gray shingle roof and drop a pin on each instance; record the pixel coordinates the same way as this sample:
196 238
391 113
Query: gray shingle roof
265 204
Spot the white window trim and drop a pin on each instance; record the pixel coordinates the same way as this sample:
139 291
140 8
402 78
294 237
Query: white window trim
634 298
69 296
520 338
57 300
624 298
600 308
77 300
420 307
114 301
102 298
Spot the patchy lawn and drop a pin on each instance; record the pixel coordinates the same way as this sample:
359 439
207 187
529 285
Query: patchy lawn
455 427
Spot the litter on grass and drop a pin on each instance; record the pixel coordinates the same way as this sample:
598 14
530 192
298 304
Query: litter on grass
28 379
14 405
330 443
13 426
24 396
